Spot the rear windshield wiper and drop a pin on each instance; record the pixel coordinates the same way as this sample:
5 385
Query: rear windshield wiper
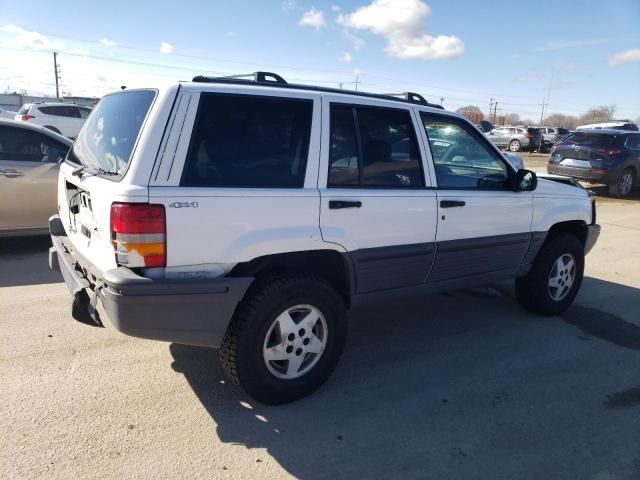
92 171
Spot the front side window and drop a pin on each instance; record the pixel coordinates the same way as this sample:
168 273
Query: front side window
461 157
249 141
23 145
373 148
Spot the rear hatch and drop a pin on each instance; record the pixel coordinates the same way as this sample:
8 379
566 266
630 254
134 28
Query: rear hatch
589 150
91 178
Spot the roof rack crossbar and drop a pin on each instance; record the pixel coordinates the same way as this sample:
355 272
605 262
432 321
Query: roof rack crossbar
258 77
410 97
275 80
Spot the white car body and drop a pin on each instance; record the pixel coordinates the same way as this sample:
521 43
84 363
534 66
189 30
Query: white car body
63 118
178 268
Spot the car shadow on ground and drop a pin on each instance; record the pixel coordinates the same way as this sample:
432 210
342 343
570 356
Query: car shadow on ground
25 261
458 385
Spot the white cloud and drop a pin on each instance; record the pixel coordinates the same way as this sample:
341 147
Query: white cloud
312 18
335 8
288 5
357 42
345 57
107 42
25 39
562 44
401 22
166 47
626 56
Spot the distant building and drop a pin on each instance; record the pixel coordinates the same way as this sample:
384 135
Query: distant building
14 101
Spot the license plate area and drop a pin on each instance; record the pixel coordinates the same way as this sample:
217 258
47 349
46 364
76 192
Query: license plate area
573 162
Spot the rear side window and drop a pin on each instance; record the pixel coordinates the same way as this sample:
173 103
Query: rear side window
25 109
633 141
109 135
563 131
248 141
373 148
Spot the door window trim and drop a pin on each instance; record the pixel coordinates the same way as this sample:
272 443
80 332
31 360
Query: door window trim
479 137
354 109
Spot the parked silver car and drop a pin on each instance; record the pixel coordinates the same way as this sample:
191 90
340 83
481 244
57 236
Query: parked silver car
513 138
29 160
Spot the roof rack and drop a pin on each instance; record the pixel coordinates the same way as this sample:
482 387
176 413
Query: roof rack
275 80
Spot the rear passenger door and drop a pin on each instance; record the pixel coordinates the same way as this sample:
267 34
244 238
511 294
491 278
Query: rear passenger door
375 200
484 227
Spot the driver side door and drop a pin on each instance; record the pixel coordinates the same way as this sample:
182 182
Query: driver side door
28 178
484 227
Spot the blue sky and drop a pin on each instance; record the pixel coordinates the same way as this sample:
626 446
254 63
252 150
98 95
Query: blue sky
466 52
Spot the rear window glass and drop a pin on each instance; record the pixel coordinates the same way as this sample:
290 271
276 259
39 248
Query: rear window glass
107 139
248 141
591 139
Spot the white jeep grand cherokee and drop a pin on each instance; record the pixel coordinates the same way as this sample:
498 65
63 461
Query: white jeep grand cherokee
249 215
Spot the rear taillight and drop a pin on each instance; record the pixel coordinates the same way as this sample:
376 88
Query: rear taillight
608 151
138 234
26 117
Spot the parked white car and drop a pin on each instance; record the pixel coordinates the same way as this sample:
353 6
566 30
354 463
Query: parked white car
249 215
63 118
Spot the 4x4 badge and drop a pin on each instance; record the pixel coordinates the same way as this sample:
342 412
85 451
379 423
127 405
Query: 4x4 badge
183 205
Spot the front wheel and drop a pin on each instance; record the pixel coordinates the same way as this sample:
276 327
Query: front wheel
286 338
515 146
555 276
623 184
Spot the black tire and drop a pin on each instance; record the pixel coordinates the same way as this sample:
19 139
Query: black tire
53 129
532 290
515 146
241 352
620 188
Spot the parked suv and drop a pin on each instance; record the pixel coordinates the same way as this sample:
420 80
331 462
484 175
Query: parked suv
250 215
513 138
63 118
611 157
553 134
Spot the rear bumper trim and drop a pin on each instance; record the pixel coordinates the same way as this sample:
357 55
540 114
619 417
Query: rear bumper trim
191 312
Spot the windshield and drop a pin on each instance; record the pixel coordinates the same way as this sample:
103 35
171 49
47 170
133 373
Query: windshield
590 139
106 141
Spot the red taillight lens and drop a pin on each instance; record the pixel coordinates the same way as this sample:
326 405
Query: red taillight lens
26 117
138 234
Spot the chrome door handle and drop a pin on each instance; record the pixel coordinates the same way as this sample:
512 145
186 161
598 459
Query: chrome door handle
11 173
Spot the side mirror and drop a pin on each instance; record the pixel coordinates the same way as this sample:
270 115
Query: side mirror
524 181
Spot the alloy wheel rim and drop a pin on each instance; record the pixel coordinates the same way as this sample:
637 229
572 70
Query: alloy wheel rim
295 342
562 277
514 147
625 183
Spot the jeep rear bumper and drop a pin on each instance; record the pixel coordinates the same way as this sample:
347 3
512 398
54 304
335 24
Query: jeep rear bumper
191 312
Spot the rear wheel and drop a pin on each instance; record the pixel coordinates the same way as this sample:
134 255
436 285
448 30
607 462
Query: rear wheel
555 276
623 184
286 338
515 145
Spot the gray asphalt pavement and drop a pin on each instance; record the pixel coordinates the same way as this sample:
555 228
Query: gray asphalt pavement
463 385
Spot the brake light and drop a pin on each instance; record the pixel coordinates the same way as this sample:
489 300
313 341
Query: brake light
610 151
138 234
26 117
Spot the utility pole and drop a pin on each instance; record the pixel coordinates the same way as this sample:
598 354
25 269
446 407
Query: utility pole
491 107
546 103
542 112
55 71
441 100
495 112
357 72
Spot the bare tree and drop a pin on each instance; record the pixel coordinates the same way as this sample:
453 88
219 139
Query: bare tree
602 113
472 112
512 119
562 120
